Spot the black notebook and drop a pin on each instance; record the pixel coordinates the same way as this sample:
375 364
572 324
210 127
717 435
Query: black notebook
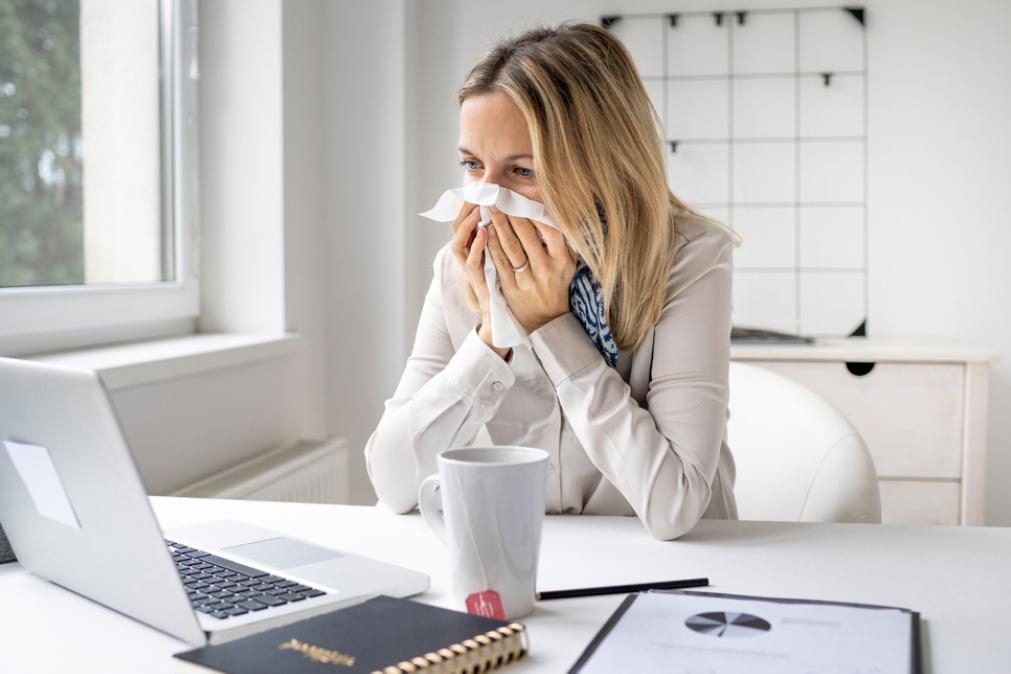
380 635
731 634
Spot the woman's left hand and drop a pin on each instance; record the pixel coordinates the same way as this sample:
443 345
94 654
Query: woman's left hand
535 276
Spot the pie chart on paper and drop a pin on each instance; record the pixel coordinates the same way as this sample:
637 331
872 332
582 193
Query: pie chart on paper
721 624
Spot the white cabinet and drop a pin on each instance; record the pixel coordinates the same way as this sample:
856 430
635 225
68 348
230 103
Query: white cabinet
920 407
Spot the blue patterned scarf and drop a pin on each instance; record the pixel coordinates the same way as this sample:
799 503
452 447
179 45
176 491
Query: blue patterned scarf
587 304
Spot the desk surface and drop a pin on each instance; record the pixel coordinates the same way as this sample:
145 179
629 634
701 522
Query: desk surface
957 577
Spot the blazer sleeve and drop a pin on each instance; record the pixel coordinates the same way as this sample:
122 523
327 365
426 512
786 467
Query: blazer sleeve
662 459
443 399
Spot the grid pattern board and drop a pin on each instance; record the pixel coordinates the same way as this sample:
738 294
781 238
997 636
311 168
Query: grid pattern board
765 112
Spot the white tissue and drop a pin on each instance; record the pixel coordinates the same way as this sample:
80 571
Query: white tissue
506 332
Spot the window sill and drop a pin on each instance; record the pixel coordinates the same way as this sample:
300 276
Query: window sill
133 364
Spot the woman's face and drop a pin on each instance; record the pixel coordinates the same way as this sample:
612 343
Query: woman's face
495 144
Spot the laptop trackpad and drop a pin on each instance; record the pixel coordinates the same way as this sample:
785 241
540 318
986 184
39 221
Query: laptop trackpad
283 553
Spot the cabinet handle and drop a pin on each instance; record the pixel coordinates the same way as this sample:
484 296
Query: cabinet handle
858 369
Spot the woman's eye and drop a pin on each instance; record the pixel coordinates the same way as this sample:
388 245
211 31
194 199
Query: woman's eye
472 165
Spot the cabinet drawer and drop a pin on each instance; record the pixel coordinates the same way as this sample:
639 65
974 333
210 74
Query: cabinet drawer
911 502
909 414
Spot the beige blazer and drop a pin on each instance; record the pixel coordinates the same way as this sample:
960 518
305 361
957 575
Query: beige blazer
632 440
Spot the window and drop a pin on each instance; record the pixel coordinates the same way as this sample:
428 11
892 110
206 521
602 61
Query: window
97 171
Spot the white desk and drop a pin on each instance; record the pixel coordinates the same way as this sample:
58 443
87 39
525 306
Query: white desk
957 577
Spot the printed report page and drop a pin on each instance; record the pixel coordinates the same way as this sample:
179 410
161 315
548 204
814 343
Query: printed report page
697 634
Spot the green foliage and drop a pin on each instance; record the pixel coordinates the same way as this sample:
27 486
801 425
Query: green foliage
41 212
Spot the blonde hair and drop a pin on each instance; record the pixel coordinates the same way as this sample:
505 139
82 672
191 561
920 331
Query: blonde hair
598 151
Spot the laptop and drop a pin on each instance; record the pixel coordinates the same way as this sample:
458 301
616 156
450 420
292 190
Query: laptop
76 513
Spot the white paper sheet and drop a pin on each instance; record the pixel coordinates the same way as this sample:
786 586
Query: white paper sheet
35 467
695 634
505 329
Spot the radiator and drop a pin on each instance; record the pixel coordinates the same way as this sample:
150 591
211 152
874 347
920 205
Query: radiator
306 472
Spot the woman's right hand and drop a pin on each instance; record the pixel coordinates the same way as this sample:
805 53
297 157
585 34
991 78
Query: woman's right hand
468 247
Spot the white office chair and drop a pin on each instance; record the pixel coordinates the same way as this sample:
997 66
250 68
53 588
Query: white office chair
798 458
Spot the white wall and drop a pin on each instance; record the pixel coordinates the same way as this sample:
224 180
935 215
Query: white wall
241 167
185 428
939 162
363 142
939 202
311 140
305 259
302 207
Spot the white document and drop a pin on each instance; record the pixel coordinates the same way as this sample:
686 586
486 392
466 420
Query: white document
686 633
36 470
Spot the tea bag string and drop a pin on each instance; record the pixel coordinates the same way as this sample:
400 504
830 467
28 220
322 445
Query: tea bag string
470 531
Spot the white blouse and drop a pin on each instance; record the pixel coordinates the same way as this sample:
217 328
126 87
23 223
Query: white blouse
635 439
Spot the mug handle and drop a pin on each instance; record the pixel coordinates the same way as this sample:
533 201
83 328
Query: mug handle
429 502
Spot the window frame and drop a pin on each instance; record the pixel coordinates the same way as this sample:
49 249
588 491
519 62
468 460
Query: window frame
45 318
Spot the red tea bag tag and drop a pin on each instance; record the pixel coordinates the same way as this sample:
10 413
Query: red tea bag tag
487 604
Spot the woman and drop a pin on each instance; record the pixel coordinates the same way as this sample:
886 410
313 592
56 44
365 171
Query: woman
625 381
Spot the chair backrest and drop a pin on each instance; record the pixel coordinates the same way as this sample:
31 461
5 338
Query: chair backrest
797 457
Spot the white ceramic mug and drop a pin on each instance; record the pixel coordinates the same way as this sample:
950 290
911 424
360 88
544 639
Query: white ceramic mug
492 507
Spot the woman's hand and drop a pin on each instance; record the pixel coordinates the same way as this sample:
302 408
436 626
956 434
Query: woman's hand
468 246
535 276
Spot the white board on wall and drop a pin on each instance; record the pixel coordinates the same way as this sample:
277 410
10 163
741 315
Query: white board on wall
765 112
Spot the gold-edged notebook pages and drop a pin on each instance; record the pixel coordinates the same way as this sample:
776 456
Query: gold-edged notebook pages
482 653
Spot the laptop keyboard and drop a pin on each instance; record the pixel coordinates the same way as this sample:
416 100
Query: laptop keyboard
224 589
